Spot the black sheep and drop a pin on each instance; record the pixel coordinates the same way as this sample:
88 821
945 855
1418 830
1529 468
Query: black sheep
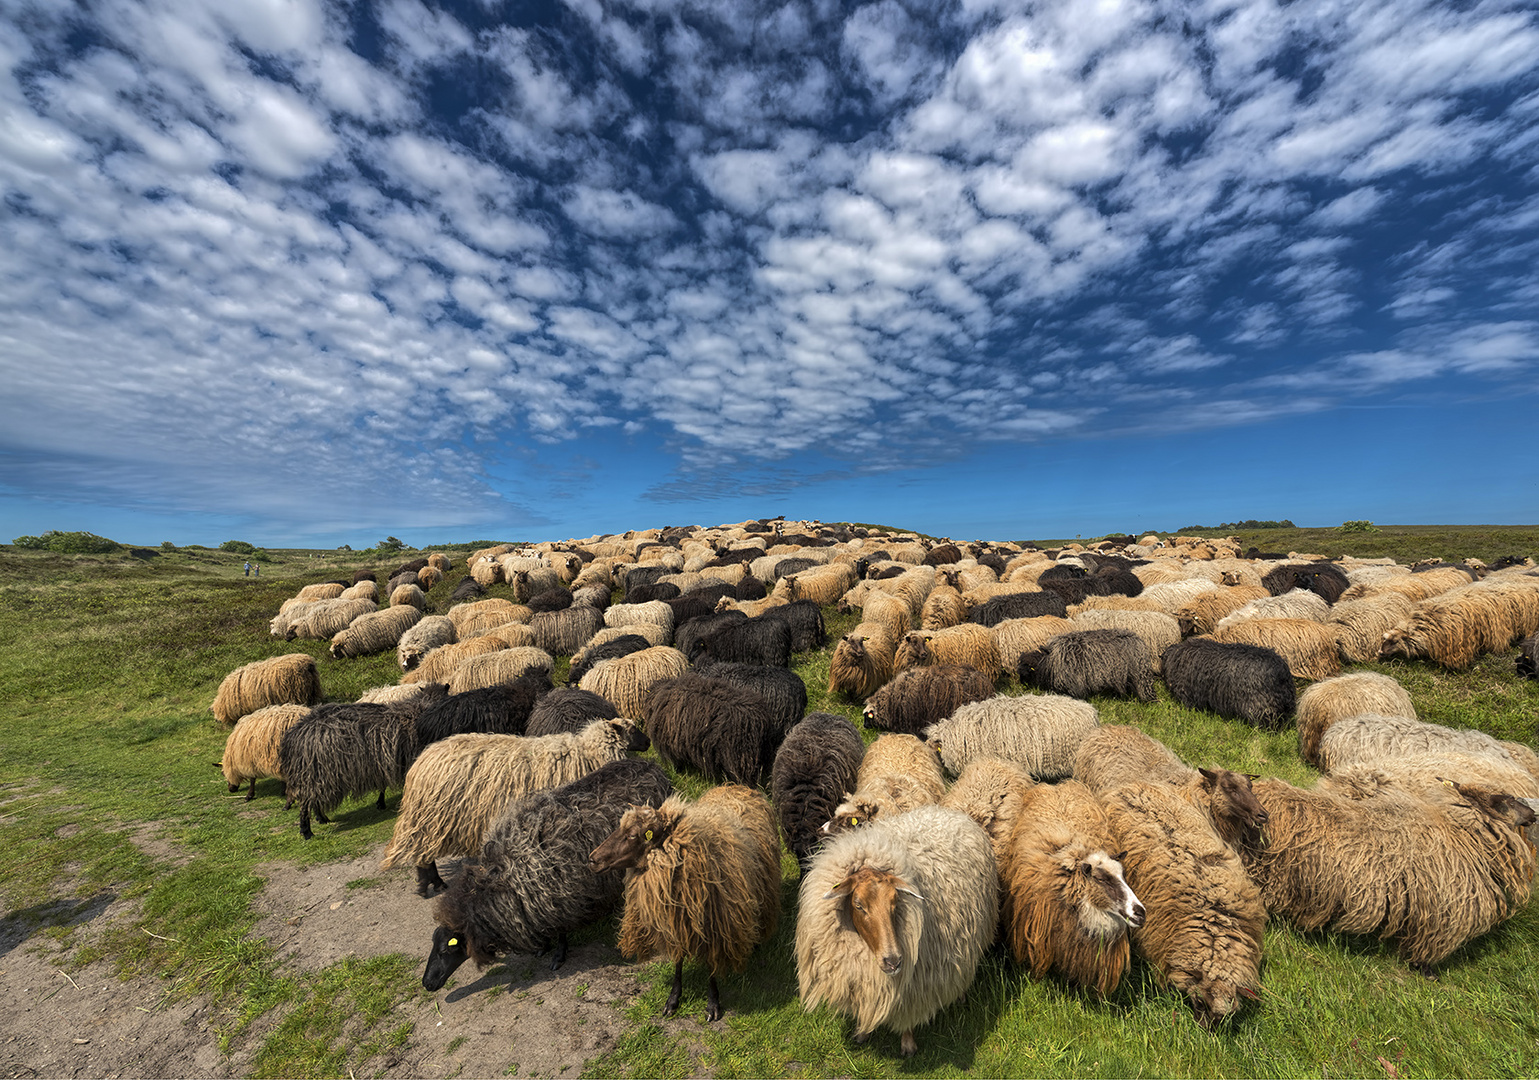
1247 682
342 750
1024 605
365 575
1323 579
623 645
661 590
569 710
943 555
813 772
562 633
781 687
686 637
921 696
468 589
750 588
690 606
805 618
1086 662
754 641
531 883
557 599
503 709
792 565
635 576
724 731
1528 657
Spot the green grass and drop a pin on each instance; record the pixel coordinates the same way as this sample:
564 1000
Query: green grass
108 791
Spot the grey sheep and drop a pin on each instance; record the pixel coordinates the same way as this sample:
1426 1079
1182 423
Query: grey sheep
816 764
428 634
1039 732
1089 662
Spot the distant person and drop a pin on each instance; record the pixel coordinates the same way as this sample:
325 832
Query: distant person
256 571
248 569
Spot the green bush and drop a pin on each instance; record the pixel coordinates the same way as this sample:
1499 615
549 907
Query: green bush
166 545
1248 523
1357 526
390 543
240 547
69 543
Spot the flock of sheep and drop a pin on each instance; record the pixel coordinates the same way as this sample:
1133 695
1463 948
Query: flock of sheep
1073 842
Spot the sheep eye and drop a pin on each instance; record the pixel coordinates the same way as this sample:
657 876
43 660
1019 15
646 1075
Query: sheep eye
1085 869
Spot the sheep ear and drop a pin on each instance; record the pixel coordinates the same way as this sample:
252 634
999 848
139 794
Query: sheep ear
841 890
1248 992
1209 777
905 887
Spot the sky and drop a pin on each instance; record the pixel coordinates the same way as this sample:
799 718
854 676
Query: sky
307 274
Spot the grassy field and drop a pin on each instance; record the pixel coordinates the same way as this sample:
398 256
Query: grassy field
109 668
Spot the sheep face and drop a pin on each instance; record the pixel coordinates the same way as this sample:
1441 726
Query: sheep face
1497 805
1099 892
849 815
448 953
870 897
640 831
1234 801
636 741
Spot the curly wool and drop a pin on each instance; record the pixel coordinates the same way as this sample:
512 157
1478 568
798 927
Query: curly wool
1248 682
282 680
1367 739
1084 663
816 765
324 619
374 632
346 750
1360 625
500 666
1308 647
711 890
1202 934
501 709
862 661
457 787
1203 614
563 632
1039 732
724 731
948 861
251 750
430 633
992 792
1016 637
1330 700
897 773
625 681
1430 869
967 643
567 710
919 697
1159 630
531 880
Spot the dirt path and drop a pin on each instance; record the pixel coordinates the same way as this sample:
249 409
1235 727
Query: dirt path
514 1019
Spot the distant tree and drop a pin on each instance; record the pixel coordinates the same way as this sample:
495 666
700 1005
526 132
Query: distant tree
240 547
166 545
69 543
1358 526
390 543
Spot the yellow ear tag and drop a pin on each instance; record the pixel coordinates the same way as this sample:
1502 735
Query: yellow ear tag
649 834
454 941
854 821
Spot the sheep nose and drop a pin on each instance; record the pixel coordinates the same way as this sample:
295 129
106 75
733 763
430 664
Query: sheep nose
891 963
1136 918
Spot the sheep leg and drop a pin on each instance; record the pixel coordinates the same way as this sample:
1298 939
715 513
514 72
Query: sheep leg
428 881
560 952
304 823
712 1002
320 815
677 991
252 793
910 1047
381 804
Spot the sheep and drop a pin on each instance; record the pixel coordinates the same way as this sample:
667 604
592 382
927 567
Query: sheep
823 585
474 614
281 680
1452 629
408 595
968 644
624 681
942 608
1323 579
752 641
1159 630
1247 682
725 731
702 881
781 688
439 665
889 612
649 633
1298 604
1203 916
862 661
659 590
993 793
342 750
557 599
897 773
623 645
1088 662
1433 869
1360 625
324 590
374 632
251 750
816 764
562 633
1115 754
427 577
1202 615
1368 739
1422 773
323 619
500 666
459 786
1309 648
1528 657
500 709
919 697
567 709
893 919
1067 907
654 612
531 881
396 693
1017 605
806 622
1330 700
751 608
1015 637
427 634
1039 732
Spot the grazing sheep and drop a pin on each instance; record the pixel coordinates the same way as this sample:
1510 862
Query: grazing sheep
1247 682
919 697
623 645
1159 630
890 612
654 612
1360 625
323 590
897 773
657 590
893 919
472 611
468 589
531 881
1298 604
428 634
500 709
1204 916
1433 869
1088 662
251 750
1454 628
396 693
624 681
324 619
439 665
650 634
806 622
374 632
1528 657
1309 648
725 731
781 688
567 710
281 680
345 750
822 585
1015 637
1068 907
751 608
816 764
1203 614
1367 739
563 632
752 641
408 595
500 666
702 881
1330 700
1018 605
459 786
969 644
862 662
1039 732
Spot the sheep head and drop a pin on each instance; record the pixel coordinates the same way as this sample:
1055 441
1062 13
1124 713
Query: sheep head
1231 798
850 814
449 951
870 899
1094 887
641 831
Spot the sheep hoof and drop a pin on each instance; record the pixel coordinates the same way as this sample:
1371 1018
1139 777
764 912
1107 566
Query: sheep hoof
910 1047
712 1002
560 953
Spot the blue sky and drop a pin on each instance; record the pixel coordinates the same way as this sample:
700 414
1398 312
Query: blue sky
308 274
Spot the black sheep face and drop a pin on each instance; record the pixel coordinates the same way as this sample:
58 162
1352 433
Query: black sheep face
448 953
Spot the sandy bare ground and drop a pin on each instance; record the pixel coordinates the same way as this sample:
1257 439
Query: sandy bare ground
516 1018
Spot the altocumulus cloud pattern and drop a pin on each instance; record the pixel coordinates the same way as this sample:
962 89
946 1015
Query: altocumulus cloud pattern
400 245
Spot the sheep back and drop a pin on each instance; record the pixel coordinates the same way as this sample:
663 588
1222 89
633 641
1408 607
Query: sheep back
1248 682
1039 732
815 766
1324 703
919 697
281 680
1083 663
624 681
